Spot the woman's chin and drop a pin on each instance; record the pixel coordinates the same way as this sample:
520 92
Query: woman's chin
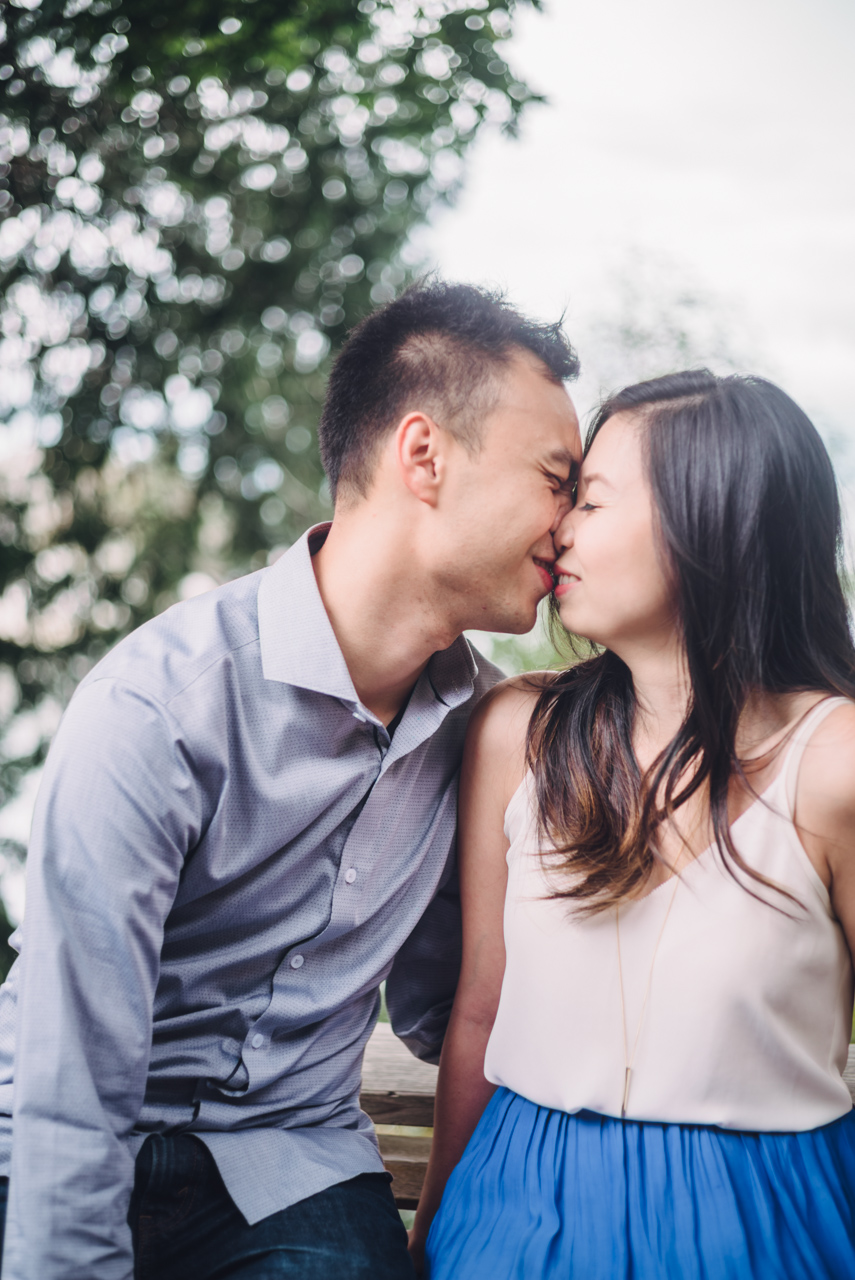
572 619
574 622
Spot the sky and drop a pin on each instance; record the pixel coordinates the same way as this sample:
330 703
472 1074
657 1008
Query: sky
685 146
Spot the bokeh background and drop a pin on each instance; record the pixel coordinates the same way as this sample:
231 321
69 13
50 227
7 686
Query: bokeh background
197 201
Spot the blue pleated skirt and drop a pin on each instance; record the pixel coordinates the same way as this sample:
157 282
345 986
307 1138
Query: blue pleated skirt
540 1194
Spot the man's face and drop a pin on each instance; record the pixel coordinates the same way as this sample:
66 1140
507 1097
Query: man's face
502 503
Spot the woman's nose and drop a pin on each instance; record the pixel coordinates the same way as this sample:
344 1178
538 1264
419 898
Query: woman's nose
562 534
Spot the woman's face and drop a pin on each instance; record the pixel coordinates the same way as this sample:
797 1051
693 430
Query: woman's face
612 588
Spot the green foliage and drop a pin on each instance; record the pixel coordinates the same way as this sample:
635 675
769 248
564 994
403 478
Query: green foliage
197 205
536 651
7 954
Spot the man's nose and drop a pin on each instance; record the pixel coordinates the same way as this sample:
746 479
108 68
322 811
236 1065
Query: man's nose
562 532
563 507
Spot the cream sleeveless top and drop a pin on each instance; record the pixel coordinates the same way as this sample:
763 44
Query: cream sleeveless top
749 1011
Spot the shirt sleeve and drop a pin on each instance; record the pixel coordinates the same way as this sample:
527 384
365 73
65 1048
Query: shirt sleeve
423 979
116 813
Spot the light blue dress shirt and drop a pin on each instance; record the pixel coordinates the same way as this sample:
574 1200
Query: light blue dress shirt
228 856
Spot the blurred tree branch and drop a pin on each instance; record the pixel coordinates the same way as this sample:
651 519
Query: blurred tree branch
197 203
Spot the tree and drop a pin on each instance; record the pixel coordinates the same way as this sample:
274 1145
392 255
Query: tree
197 204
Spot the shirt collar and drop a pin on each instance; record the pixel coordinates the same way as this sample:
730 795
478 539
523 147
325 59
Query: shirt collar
452 673
298 644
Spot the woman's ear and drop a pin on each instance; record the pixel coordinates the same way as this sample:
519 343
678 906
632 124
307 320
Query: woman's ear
420 452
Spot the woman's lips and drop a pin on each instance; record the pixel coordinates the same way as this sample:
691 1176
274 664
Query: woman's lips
564 583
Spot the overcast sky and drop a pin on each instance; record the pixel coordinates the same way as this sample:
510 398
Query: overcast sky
706 143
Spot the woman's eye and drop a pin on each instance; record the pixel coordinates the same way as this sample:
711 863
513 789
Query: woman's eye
587 506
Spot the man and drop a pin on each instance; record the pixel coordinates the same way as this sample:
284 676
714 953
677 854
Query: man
246 823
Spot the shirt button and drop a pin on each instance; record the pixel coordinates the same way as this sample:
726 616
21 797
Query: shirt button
257 1040
350 875
296 962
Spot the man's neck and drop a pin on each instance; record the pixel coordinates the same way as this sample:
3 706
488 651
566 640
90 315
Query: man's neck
380 610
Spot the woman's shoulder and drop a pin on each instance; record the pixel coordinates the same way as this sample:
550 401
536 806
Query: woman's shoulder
498 730
825 807
827 771
508 707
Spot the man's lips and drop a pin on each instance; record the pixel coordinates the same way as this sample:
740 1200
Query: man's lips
545 569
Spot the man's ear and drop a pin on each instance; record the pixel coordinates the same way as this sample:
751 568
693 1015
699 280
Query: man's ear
420 448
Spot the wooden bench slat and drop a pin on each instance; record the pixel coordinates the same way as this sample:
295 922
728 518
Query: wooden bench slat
849 1073
404 1146
406 1159
399 1089
408 1180
414 1109
389 1067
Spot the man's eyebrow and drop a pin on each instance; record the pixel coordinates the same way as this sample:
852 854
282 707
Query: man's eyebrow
564 458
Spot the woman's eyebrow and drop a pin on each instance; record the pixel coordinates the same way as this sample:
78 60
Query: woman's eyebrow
588 477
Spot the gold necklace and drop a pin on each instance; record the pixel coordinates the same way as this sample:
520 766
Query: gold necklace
628 1061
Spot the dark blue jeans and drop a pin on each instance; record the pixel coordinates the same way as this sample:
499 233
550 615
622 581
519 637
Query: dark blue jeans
185 1226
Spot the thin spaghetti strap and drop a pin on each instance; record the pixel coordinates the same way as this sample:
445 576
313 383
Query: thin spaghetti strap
801 737
520 797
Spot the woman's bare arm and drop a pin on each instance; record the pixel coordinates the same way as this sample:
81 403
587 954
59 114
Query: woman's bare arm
825 812
492 769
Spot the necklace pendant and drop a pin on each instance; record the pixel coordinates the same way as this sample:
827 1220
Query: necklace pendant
627 1078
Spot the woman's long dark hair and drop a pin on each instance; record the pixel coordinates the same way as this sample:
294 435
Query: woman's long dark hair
750 534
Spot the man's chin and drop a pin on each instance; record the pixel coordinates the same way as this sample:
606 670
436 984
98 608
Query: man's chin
518 623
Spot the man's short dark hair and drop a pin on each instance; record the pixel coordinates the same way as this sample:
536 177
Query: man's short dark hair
439 348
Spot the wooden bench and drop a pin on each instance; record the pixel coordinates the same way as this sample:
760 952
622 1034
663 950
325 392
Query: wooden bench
398 1092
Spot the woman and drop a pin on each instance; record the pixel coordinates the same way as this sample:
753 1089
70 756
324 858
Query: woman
658 878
